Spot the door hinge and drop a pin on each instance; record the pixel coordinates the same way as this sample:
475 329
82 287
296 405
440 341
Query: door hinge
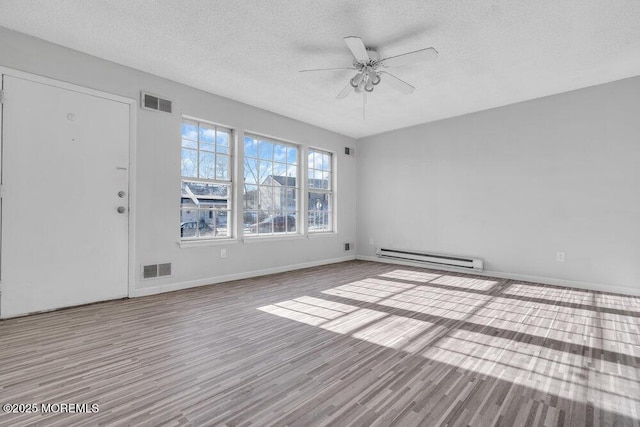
1 96
1 191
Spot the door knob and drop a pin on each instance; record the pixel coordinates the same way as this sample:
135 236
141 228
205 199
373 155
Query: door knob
121 194
121 209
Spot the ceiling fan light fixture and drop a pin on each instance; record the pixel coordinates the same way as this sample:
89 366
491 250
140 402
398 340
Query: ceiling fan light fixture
374 78
369 86
357 79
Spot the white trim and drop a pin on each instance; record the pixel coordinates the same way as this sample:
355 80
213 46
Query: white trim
196 243
64 85
317 234
133 126
275 237
525 278
133 108
237 276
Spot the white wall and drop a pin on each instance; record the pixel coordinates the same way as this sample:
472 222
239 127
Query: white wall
514 185
157 205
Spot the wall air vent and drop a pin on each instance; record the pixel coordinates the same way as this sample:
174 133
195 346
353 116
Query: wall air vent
156 270
164 269
153 102
150 271
433 259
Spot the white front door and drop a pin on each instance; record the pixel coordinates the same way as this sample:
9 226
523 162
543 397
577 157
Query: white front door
65 182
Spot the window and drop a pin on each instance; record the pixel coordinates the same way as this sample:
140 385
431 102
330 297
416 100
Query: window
271 188
320 187
206 181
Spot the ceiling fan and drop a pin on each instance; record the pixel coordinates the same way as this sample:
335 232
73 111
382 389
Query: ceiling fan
371 68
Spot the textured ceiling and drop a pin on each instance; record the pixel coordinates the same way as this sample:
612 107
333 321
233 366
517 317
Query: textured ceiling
492 52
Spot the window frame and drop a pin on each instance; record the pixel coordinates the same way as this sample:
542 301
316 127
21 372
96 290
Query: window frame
329 191
229 182
298 206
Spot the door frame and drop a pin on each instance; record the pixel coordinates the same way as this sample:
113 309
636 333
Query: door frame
133 108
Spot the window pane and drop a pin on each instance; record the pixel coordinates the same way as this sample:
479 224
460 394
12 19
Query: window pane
279 153
318 201
326 162
222 167
265 225
250 147
221 225
310 182
317 160
266 201
326 180
205 224
222 139
292 155
189 130
207 138
207 165
188 222
187 143
189 162
250 171
250 197
292 173
290 223
265 150
264 170
280 169
249 221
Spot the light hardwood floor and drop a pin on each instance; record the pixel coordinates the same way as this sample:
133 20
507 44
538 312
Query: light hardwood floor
355 343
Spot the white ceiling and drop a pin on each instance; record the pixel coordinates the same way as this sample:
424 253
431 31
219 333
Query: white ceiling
492 52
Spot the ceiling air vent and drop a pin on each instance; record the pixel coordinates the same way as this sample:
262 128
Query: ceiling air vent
153 102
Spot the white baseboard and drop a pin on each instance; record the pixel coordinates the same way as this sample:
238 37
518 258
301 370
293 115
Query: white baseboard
237 276
525 278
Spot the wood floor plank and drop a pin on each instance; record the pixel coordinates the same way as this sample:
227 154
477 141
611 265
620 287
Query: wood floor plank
356 343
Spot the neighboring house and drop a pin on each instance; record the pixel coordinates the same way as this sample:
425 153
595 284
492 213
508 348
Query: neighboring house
277 193
190 210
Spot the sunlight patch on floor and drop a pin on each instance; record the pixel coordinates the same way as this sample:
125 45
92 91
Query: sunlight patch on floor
566 348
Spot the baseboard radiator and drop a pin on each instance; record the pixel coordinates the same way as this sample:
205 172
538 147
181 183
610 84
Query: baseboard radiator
434 259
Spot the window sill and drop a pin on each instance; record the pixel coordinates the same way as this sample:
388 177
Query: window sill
207 242
318 234
256 239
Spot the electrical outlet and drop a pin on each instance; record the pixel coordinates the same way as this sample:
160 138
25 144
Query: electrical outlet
223 253
560 256
371 242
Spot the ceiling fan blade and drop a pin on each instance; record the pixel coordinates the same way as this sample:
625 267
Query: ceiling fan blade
356 46
344 92
410 57
399 85
327 69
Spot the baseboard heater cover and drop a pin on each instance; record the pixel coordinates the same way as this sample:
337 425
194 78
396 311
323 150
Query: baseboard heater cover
437 259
